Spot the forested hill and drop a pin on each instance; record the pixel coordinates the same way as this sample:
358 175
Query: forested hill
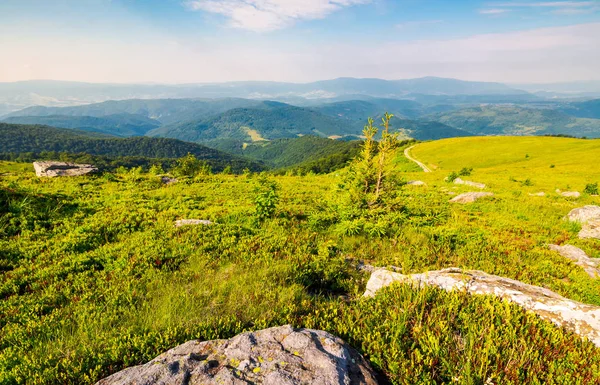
271 120
295 151
515 120
16 138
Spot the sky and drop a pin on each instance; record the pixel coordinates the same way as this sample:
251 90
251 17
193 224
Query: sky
198 41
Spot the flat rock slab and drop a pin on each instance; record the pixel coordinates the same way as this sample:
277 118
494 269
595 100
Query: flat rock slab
469 183
470 197
538 194
577 317
416 183
575 254
53 169
192 222
569 194
591 229
589 217
276 356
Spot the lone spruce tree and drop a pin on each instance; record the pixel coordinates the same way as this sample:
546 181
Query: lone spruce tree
369 171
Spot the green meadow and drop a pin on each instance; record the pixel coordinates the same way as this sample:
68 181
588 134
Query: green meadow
95 276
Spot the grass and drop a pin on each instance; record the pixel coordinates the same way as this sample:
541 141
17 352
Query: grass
96 277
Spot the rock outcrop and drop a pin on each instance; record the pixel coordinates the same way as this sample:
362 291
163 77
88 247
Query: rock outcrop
470 197
416 183
192 222
589 217
469 183
52 169
584 214
575 254
575 316
276 356
538 194
168 180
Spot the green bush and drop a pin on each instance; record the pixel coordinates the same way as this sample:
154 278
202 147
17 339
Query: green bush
452 177
265 199
591 189
465 171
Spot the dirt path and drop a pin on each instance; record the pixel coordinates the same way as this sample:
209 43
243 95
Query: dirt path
407 155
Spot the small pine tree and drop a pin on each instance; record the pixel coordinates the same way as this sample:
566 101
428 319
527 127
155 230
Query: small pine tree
369 171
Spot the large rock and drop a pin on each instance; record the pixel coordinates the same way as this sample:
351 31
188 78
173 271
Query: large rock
469 183
575 316
276 356
580 258
584 214
416 183
589 217
52 169
470 197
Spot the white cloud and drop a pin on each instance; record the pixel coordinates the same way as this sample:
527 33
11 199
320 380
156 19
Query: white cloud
268 15
550 4
493 11
565 8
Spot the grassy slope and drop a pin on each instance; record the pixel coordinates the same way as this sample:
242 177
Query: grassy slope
97 278
496 158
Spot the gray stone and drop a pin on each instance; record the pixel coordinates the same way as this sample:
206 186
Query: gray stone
469 183
52 169
538 194
416 183
470 197
580 258
276 356
168 180
577 317
192 222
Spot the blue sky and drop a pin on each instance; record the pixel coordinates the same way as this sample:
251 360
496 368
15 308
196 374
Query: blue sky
181 41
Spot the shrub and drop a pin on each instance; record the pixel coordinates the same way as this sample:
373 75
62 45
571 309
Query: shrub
190 166
452 177
591 189
465 171
265 199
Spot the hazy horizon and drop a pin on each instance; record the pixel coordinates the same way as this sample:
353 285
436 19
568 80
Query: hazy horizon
150 83
299 41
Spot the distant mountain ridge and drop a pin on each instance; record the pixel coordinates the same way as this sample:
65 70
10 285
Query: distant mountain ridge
122 124
18 95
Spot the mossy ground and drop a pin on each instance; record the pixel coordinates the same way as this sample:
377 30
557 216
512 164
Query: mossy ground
96 277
